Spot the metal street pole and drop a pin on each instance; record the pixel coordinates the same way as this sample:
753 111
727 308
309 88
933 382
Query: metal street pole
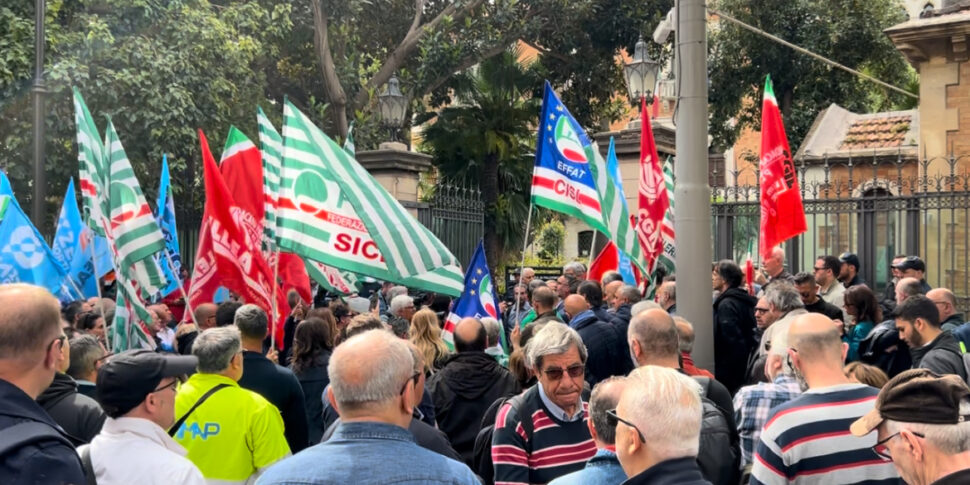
39 89
692 192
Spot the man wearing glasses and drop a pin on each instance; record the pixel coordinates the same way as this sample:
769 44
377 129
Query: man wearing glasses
542 434
137 389
37 449
923 423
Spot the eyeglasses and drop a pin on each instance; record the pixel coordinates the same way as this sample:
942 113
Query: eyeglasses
820 269
574 371
170 384
882 450
60 338
415 377
790 365
760 310
613 419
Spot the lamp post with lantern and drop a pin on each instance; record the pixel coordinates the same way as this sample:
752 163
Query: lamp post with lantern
641 74
392 105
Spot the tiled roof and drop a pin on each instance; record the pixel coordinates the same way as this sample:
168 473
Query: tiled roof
883 132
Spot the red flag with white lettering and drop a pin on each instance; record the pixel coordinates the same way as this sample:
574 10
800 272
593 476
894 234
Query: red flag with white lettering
654 201
782 212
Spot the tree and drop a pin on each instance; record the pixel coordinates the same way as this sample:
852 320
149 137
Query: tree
847 31
487 137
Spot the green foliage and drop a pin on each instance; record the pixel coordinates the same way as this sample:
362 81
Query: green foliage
847 31
550 239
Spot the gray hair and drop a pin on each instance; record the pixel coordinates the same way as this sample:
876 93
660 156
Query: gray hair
400 302
642 306
574 268
611 276
949 438
684 337
215 348
396 291
554 339
492 329
252 321
665 405
601 401
629 293
85 352
358 383
784 297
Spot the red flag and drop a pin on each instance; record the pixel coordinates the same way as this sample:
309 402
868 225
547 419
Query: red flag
653 193
749 274
607 260
234 236
782 212
655 107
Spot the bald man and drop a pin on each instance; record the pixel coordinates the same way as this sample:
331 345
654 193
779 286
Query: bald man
801 444
774 269
599 337
467 385
946 303
609 293
205 318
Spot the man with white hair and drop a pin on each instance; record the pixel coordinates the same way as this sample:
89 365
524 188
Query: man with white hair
923 423
658 426
376 400
541 434
400 313
773 270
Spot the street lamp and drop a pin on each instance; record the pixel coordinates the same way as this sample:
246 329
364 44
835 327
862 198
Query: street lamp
392 105
641 74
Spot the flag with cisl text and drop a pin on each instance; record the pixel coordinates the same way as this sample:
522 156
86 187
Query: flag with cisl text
782 212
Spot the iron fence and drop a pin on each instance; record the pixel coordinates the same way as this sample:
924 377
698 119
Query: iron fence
877 207
456 215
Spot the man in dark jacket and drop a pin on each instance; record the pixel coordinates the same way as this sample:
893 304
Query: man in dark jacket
544 304
946 303
808 289
30 349
591 291
467 385
623 303
734 325
918 323
79 415
599 337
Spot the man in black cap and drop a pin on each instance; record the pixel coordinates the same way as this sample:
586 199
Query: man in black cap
137 390
913 267
849 273
923 423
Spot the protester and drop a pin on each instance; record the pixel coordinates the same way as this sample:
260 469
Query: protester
494 345
233 434
946 303
658 425
394 292
869 375
609 277
565 286
593 293
87 355
599 337
626 297
907 287
667 297
91 323
204 316
516 311
274 382
861 305
764 317
371 445
785 304
425 334
685 339
774 268
226 313
796 444
399 315
827 269
604 467
137 390
161 320
734 325
79 415
609 293
553 410
808 289
465 387
849 271
888 301
918 323
31 340
311 355
914 267
544 304
921 422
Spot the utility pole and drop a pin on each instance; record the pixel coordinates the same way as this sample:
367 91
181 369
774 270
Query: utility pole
692 192
40 89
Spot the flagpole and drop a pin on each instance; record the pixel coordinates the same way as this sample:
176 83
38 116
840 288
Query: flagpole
525 245
97 284
75 287
276 277
178 279
592 245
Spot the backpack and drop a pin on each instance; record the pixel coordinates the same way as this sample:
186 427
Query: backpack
482 458
29 433
719 454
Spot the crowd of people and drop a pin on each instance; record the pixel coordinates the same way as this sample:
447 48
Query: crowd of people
817 379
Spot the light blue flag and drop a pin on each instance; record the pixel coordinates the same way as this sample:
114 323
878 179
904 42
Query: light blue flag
91 262
6 188
25 256
166 222
613 166
69 227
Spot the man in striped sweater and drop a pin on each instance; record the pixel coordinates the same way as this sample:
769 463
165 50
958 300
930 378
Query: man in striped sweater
542 434
807 440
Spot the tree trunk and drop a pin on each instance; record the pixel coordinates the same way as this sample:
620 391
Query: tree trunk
488 184
331 82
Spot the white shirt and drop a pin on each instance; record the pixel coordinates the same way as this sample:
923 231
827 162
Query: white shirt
557 411
136 450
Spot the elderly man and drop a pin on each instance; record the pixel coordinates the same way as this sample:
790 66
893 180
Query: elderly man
137 390
528 274
399 318
774 268
667 297
232 434
923 428
574 271
274 382
30 352
533 429
87 355
604 467
609 293
685 338
599 337
946 303
918 324
79 415
888 300
804 440
376 400
658 426
786 304
204 316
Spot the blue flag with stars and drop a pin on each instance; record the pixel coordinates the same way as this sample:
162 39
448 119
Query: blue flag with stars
613 167
25 256
166 222
68 231
477 300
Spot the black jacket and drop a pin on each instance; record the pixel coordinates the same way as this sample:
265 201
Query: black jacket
314 380
601 346
425 435
621 322
281 388
884 349
79 415
679 471
601 313
942 356
888 300
462 391
734 339
952 323
825 308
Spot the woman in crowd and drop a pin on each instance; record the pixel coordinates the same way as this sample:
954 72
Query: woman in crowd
861 305
869 375
312 346
91 323
426 336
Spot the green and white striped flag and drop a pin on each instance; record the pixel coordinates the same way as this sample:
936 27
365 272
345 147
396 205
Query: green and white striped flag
331 279
134 232
92 169
319 219
271 147
128 330
615 212
668 257
349 145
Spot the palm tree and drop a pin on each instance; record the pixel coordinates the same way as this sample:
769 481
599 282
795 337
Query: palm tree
487 138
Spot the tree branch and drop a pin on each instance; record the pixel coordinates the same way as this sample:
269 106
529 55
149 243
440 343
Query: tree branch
466 63
418 11
336 95
547 52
